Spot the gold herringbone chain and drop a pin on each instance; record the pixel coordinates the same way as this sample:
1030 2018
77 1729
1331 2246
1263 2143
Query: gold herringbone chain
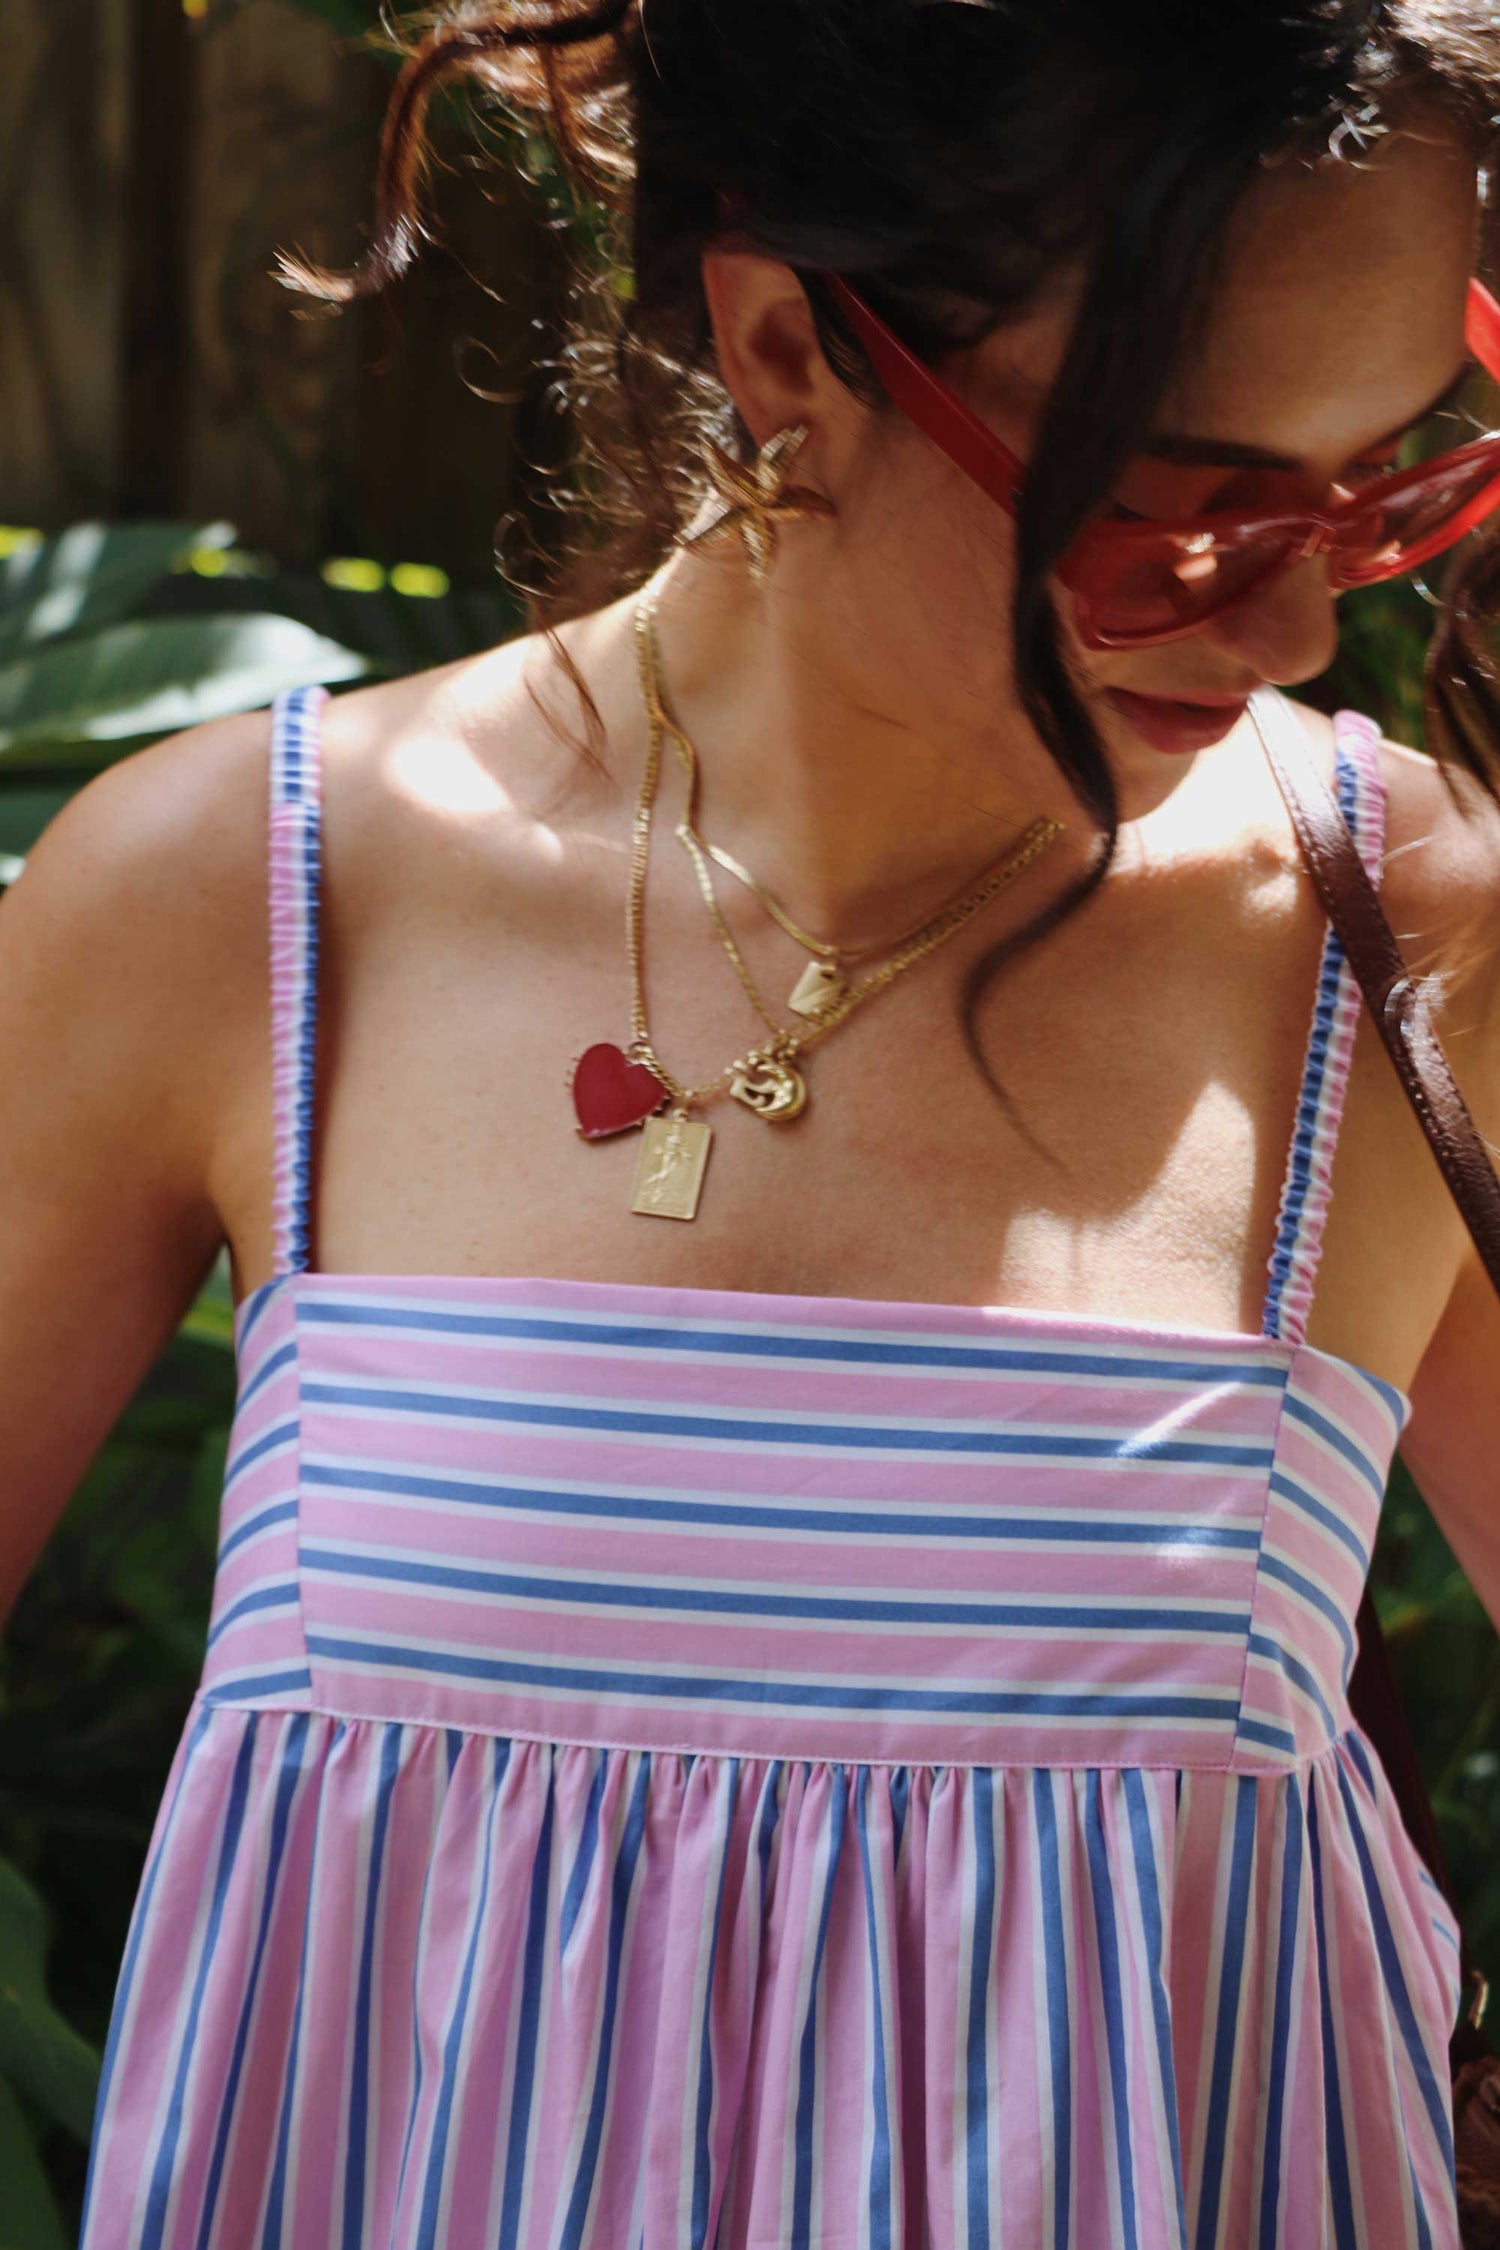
786 1041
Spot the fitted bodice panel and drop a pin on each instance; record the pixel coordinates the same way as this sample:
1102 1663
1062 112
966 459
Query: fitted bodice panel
779 1526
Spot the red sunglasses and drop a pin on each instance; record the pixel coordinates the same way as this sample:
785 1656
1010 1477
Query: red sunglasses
1137 583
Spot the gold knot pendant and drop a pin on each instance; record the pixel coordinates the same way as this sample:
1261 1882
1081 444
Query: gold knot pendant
771 1087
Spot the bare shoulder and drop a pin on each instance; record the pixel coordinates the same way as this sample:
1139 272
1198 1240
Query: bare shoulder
164 853
1442 866
493 743
164 846
1441 890
167 847
1440 887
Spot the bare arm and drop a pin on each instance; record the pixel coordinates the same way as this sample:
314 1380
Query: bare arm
129 948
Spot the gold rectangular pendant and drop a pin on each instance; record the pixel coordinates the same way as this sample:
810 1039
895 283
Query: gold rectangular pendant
669 1175
821 985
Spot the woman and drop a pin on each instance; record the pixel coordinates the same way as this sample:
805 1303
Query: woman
822 1722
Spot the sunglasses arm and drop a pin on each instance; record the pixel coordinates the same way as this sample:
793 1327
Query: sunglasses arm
1483 328
911 385
973 447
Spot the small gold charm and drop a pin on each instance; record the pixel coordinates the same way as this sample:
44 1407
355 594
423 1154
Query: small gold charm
821 985
669 1175
770 1087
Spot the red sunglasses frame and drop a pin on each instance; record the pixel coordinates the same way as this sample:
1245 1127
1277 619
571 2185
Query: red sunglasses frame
1303 533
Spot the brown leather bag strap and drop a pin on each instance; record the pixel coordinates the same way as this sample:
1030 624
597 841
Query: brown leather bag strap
1395 1001
1353 906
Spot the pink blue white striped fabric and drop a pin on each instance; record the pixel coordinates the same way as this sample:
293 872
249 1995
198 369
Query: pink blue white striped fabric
684 1769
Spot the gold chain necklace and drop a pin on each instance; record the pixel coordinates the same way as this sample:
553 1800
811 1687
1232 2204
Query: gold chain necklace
823 983
614 1090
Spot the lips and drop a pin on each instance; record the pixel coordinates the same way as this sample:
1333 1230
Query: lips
1169 724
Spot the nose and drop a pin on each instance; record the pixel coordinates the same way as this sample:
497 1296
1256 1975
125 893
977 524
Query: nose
1287 630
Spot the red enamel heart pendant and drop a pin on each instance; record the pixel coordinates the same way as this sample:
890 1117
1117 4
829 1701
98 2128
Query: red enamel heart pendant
611 1093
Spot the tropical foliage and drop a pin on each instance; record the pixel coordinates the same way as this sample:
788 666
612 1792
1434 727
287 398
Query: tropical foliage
111 636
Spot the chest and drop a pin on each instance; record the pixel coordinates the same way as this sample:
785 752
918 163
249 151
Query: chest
1132 1158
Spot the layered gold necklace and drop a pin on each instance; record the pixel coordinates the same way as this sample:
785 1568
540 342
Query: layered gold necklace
615 1089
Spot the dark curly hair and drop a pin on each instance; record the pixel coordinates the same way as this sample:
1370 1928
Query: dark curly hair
950 155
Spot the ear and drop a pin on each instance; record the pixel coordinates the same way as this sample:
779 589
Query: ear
766 340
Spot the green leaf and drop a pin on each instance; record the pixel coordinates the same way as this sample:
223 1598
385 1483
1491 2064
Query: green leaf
90 575
29 2217
399 632
150 679
210 1318
208 1322
24 813
39 2053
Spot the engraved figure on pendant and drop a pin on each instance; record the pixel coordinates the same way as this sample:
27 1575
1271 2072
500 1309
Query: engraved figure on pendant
660 1183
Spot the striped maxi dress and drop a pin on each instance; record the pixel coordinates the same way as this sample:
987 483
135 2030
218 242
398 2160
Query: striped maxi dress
688 1767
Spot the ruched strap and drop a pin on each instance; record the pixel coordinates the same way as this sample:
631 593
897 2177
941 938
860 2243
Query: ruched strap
1308 1181
295 859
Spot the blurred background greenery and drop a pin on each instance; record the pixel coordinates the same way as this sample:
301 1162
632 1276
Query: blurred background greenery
219 497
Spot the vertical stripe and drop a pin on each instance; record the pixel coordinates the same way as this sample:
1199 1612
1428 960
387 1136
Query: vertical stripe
1333 2101
419 1949
1278 2062
878 1950
621 1885
289 1773
274 2235
295 867
356 2156
153 2231
704 2107
1113 2001
1434 2099
518 2122
980 1921
1307 1184
142 1917
437 2143
578 1877
803 2150
1226 2020
1147 1861
1059 2029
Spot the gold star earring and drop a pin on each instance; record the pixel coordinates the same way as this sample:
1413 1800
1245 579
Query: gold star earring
758 498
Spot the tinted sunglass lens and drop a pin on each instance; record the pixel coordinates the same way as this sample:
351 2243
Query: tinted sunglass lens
1157 593
1388 531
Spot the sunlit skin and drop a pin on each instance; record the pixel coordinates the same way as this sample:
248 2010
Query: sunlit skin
883 707
862 750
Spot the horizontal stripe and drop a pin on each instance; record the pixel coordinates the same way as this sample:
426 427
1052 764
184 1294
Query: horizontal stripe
764 1602
629 1505
826 1695
376 1399
380 1316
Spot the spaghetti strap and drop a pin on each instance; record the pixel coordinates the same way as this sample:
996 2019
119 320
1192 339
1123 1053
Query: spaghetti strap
295 851
1308 1180
295 865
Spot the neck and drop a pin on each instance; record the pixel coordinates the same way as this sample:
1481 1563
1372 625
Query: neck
860 804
